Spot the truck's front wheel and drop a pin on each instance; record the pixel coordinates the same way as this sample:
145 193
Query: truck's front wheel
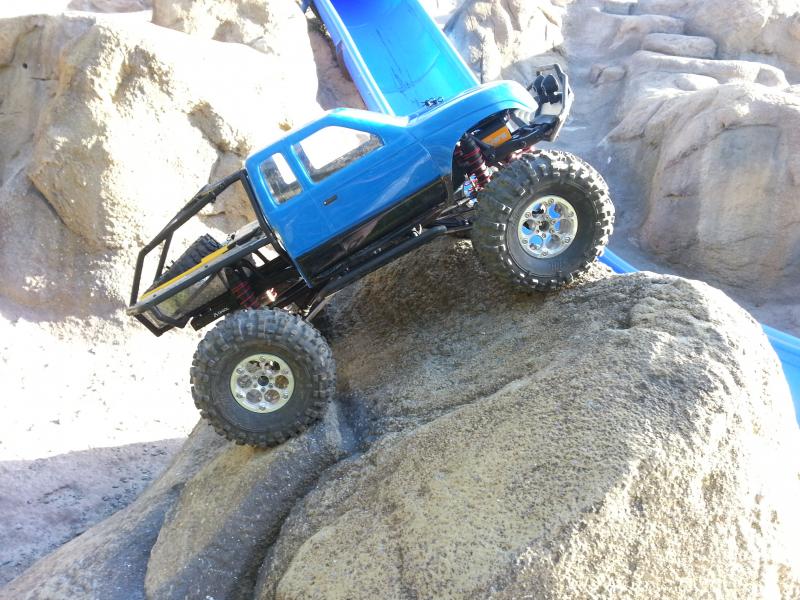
543 220
262 376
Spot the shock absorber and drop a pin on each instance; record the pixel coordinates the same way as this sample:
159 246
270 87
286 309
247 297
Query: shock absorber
243 291
471 158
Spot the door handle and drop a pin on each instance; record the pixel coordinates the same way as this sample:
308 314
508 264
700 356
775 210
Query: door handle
330 200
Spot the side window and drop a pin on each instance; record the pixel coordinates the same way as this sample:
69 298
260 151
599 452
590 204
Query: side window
280 178
332 148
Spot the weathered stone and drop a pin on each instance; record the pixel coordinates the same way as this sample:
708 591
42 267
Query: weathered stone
724 71
632 30
277 27
764 27
618 7
47 502
109 560
110 6
680 45
723 179
212 541
672 8
559 471
606 74
507 38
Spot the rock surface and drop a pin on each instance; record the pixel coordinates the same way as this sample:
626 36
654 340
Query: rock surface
110 6
109 561
636 79
725 178
769 28
499 453
680 45
276 27
89 101
47 502
507 39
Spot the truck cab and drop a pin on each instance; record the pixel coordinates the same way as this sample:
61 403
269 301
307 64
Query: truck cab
341 182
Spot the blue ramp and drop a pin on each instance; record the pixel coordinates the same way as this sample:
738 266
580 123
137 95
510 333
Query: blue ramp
397 56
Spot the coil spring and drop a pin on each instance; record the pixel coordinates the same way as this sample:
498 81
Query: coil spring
245 295
471 158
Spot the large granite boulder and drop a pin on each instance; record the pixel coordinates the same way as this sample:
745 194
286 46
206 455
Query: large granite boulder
631 434
770 28
716 149
277 27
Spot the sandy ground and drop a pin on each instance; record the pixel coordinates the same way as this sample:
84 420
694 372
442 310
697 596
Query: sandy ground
70 393
91 412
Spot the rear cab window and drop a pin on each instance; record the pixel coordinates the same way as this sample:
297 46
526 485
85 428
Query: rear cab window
280 178
333 148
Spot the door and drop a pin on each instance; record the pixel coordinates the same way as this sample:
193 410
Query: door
365 185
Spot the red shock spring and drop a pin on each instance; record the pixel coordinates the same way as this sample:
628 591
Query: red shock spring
245 295
471 158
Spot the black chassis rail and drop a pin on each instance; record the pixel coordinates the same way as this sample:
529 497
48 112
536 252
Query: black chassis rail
366 260
207 195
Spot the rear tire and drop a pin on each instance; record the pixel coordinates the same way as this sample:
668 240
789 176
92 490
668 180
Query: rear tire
543 220
262 376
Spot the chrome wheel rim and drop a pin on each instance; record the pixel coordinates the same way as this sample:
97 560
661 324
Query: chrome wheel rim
547 227
262 383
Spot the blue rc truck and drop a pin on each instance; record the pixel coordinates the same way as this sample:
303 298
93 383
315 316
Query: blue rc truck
345 195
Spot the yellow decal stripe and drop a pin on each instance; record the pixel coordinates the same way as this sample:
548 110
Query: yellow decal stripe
205 259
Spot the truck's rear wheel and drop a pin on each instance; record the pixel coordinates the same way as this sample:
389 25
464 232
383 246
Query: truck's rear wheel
262 376
543 220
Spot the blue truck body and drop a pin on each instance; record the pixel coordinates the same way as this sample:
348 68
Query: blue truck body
416 152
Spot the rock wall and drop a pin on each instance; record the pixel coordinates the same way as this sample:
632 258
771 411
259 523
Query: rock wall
770 28
726 176
116 125
701 131
276 27
507 39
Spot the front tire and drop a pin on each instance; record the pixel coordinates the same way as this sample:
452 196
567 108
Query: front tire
543 220
262 376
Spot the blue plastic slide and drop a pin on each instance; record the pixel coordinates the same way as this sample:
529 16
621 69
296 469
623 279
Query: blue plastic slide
396 54
399 58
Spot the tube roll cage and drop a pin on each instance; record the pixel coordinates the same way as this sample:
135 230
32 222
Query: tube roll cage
207 195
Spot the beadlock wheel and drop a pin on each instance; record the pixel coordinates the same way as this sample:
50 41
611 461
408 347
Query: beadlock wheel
262 383
547 227
262 376
543 220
